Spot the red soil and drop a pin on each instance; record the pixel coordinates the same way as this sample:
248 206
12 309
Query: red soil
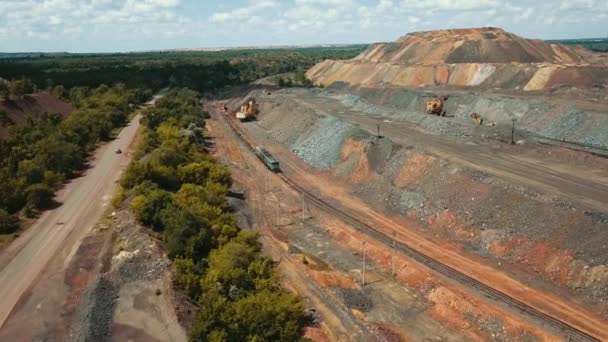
413 168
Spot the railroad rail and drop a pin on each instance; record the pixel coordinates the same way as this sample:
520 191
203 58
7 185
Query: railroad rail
558 326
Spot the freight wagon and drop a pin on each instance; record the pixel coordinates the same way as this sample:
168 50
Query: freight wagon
267 159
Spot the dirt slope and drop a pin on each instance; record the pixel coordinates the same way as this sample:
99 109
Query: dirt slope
479 57
530 232
19 110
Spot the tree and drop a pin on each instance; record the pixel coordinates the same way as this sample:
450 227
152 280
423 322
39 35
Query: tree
188 276
19 88
4 91
39 196
5 120
266 316
219 174
185 234
31 171
8 223
58 91
134 175
194 173
147 208
229 265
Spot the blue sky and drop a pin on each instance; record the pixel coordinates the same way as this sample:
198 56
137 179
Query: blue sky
131 25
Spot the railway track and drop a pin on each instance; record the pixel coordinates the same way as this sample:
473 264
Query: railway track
558 326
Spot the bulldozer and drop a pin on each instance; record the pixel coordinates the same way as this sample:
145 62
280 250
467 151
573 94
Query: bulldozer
248 111
435 106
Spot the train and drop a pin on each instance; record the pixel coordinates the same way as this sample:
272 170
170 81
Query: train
268 160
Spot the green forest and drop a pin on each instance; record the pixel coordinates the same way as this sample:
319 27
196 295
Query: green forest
198 70
179 192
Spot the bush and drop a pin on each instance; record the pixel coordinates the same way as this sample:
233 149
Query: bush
266 316
39 196
187 276
147 208
8 223
185 234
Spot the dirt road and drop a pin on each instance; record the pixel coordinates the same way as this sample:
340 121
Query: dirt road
83 201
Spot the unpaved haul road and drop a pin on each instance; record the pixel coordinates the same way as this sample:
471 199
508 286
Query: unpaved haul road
581 187
84 201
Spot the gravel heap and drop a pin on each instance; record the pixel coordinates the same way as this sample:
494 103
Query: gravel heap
96 311
322 148
578 126
540 117
431 123
354 298
140 260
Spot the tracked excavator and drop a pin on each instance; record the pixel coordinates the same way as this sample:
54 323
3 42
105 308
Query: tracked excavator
435 105
248 111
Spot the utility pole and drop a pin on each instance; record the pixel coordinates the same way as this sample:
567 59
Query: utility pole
363 268
378 126
513 132
278 215
254 210
393 257
303 209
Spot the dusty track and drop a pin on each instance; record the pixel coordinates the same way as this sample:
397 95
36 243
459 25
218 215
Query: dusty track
83 202
575 326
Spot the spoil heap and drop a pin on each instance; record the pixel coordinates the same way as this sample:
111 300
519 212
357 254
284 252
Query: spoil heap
480 57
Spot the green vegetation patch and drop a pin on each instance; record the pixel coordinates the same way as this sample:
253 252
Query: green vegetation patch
40 154
198 70
179 192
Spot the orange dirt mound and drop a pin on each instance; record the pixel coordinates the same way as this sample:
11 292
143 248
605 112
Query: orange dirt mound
357 149
315 334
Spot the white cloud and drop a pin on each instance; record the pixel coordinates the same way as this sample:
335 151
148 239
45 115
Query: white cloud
449 4
243 12
130 24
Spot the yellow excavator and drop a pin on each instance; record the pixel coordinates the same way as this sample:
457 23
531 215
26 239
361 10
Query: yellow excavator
435 106
248 111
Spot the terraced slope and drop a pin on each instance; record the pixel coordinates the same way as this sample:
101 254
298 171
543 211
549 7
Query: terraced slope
479 57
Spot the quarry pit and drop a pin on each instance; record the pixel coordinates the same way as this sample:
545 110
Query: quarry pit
518 202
